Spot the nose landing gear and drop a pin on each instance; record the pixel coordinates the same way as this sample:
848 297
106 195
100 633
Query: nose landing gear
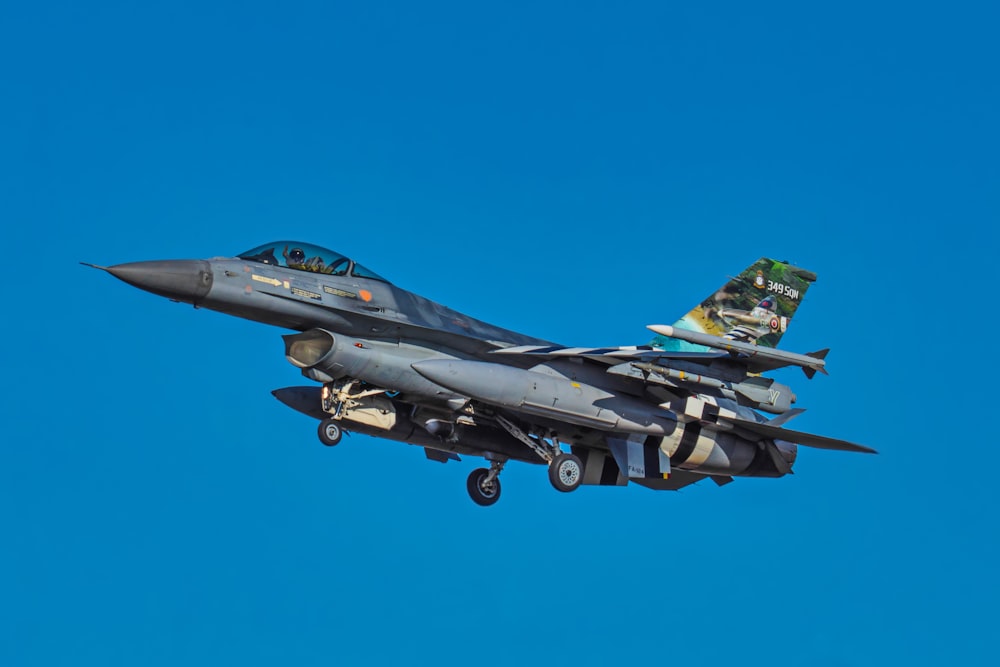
330 432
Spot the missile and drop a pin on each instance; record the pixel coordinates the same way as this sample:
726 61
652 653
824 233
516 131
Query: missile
765 358
757 392
547 396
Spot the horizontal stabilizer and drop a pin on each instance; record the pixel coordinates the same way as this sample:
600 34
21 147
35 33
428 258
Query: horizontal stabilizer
799 438
759 358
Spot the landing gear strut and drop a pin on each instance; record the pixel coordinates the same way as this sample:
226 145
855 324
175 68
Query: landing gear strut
484 484
565 470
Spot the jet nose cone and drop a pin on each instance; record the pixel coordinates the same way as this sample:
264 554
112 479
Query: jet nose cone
186 280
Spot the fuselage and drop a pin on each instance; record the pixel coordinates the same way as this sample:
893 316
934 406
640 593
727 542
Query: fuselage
436 365
352 301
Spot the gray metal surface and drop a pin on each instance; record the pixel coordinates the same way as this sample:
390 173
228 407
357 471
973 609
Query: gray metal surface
395 365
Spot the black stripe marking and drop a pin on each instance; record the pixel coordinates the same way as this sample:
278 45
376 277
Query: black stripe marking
762 465
654 442
651 456
610 473
688 442
650 461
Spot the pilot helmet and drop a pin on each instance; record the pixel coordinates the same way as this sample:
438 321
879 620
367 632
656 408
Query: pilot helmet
297 256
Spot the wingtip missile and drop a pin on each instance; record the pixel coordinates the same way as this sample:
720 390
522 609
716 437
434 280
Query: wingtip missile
662 329
810 363
821 355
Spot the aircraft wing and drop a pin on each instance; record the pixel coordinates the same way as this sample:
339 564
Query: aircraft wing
754 364
611 355
642 364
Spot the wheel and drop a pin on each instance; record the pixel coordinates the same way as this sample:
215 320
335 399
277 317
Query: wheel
330 432
479 495
566 472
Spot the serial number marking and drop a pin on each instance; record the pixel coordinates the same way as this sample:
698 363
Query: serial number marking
339 292
297 291
782 289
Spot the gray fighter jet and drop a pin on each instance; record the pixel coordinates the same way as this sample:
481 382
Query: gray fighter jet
389 363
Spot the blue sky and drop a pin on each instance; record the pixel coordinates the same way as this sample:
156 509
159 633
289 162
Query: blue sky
575 172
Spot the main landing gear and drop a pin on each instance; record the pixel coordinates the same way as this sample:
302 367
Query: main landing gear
566 472
484 484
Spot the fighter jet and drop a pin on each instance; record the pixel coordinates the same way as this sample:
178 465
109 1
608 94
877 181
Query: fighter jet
389 363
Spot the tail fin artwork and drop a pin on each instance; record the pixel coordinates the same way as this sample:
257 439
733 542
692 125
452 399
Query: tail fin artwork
754 307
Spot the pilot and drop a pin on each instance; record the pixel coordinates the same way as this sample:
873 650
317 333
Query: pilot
296 259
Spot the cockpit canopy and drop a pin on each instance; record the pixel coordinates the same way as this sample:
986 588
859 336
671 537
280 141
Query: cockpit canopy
307 257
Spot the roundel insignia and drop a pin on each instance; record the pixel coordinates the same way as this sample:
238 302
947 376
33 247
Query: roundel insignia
775 324
758 282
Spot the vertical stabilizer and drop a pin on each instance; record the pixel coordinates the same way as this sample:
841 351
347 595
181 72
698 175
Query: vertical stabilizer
754 307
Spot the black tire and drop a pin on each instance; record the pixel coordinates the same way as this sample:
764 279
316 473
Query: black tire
566 472
330 432
476 491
